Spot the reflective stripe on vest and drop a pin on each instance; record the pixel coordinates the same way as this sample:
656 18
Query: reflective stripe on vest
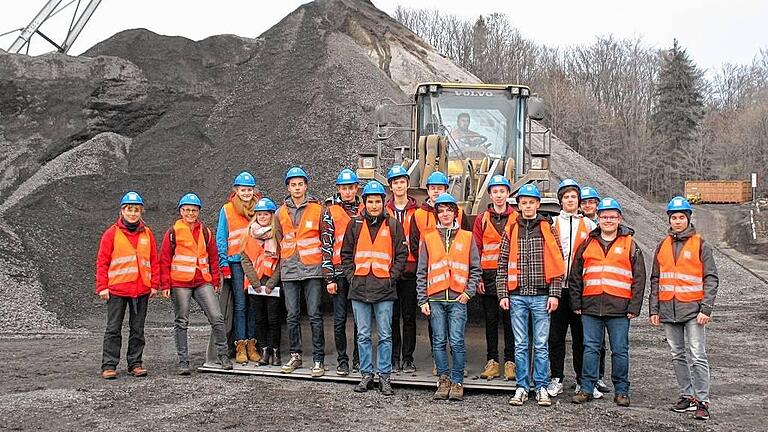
554 265
448 270
340 222
127 262
374 256
263 263
190 254
682 280
609 273
407 219
305 238
489 256
237 228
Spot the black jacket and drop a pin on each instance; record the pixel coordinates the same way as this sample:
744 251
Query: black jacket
370 288
605 304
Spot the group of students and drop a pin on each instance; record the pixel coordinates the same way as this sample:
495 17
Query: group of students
386 258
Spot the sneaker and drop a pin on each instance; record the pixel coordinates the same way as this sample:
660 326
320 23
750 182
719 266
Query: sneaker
184 368
491 370
457 392
542 397
109 374
509 370
702 411
396 366
343 368
443 388
581 397
597 394
293 363
408 366
600 385
318 369
138 371
521 395
555 387
385 385
365 384
355 366
686 403
576 388
226 362
621 400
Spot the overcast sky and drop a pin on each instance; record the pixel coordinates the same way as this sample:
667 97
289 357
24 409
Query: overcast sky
713 32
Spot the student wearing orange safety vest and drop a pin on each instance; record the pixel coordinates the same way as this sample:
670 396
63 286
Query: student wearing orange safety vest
489 228
684 285
338 212
261 264
189 269
606 285
447 277
231 232
301 258
529 281
127 275
373 257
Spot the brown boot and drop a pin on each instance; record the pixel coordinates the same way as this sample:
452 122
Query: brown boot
457 392
491 370
509 370
443 388
251 351
240 355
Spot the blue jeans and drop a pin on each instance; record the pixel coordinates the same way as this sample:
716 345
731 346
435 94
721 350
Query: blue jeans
523 309
448 320
313 289
618 336
364 318
688 344
244 328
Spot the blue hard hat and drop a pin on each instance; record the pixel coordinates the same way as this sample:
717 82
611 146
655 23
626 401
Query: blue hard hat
499 180
529 190
374 188
588 192
445 198
346 177
190 199
608 204
296 172
396 171
568 183
131 197
679 204
265 204
244 179
437 178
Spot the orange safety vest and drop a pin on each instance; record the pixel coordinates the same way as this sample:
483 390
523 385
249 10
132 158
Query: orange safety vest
581 234
263 264
554 265
237 227
489 256
407 219
681 279
190 255
609 273
376 256
341 220
448 270
305 238
127 262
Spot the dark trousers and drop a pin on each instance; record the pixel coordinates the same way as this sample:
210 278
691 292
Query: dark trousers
265 313
341 308
563 318
405 306
491 310
113 338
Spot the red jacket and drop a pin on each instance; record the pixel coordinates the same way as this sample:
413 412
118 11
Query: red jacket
166 256
104 256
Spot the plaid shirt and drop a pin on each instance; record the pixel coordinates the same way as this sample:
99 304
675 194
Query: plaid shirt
531 279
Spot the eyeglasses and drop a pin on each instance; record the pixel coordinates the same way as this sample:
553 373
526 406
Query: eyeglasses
608 218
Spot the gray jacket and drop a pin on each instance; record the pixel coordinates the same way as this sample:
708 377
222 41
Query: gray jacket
674 311
292 269
475 273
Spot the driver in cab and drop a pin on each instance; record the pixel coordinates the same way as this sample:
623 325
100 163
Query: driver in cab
463 134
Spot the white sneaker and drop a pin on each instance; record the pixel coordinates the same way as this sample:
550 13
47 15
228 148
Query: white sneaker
555 387
597 394
521 395
542 397
578 388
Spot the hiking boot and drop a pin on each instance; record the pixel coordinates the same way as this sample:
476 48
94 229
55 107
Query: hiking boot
686 403
251 351
443 388
521 395
138 371
409 367
317 370
385 385
266 354
509 370
491 370
355 366
542 397
580 397
457 392
621 400
555 387
184 368
240 355
225 362
293 364
702 411
109 374
276 360
602 387
597 394
365 384
343 368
